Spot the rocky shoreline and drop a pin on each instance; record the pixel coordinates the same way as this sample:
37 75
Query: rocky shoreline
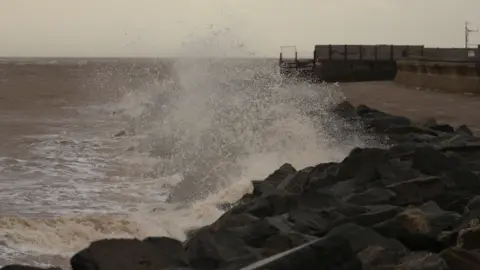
414 205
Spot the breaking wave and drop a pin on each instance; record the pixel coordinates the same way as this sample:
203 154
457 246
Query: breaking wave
193 141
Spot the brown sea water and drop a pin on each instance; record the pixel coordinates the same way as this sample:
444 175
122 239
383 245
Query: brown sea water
192 133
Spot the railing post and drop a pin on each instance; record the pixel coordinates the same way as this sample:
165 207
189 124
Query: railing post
345 57
296 60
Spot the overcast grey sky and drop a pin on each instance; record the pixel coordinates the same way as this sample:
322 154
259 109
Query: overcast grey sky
159 27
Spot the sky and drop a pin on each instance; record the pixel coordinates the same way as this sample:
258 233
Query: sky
252 27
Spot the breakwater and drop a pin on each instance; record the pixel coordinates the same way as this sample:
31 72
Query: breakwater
412 204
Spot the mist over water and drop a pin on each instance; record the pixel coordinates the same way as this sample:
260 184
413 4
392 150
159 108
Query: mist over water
193 140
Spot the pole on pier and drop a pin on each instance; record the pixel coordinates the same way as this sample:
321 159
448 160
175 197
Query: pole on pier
467 34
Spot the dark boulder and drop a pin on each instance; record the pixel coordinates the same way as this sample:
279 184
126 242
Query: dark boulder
461 259
271 184
361 164
378 257
422 261
469 238
281 173
417 191
372 196
169 247
419 228
255 234
323 175
317 200
295 183
268 206
463 129
315 222
442 128
395 170
330 252
284 241
361 238
473 204
375 214
25 267
461 178
209 250
430 161
345 110
131 254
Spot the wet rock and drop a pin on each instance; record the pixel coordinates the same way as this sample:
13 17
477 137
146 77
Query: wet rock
172 248
376 257
283 242
372 196
473 204
417 191
316 200
25 267
381 124
419 228
376 214
330 252
255 233
361 164
407 129
344 188
263 188
315 222
461 259
131 254
395 171
422 261
430 161
402 150
231 220
453 200
429 122
281 223
345 110
209 250
295 183
448 238
323 175
463 129
442 128
361 238
281 173
463 179
469 238
268 206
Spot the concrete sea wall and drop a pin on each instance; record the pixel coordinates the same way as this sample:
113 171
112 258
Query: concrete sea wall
346 63
456 76
355 70
350 63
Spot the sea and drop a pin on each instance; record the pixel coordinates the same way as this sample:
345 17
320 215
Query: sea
130 148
